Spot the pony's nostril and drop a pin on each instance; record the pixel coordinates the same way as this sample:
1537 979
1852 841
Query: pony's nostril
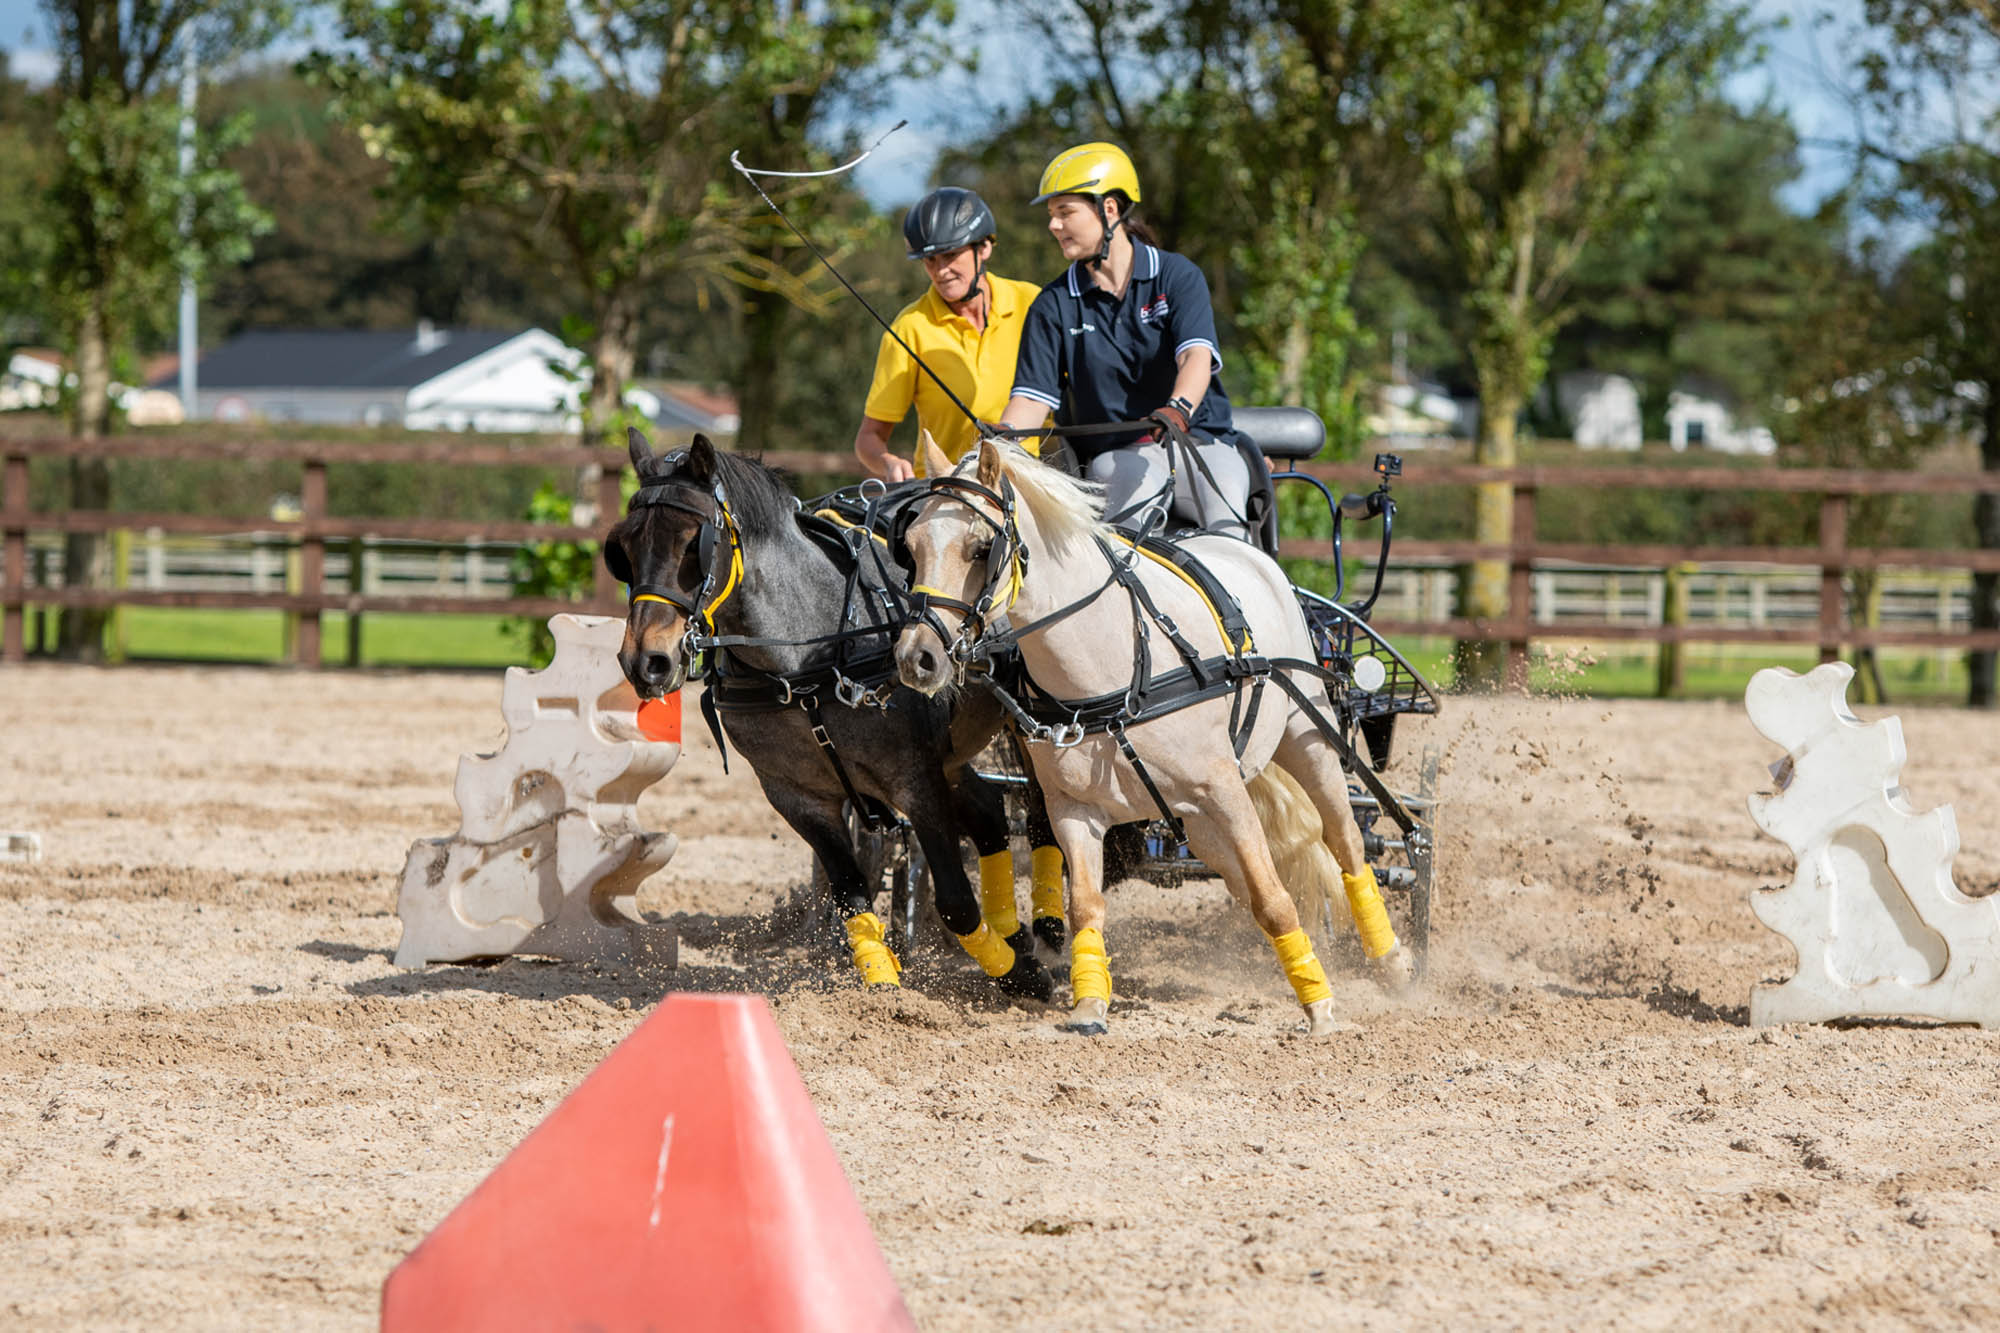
658 666
927 662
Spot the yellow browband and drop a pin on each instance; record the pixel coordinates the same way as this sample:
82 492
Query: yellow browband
1185 577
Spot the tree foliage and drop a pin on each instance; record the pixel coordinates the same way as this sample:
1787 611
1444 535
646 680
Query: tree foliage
598 135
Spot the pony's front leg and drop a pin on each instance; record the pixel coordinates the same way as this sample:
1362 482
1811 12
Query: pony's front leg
1230 841
1011 962
1079 829
825 831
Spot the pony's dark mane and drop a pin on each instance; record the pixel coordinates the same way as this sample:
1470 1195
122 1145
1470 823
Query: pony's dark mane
760 495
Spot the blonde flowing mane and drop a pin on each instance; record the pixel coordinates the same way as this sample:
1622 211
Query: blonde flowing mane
1066 511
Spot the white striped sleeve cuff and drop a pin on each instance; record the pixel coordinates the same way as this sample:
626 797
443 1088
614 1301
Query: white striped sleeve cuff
1021 391
1214 353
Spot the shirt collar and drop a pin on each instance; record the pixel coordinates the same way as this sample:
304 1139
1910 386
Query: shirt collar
1145 264
939 311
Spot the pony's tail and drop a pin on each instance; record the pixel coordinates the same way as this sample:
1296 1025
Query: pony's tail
1297 837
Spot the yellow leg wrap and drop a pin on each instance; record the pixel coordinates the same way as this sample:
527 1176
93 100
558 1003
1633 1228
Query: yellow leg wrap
1047 893
1089 969
1364 900
996 893
878 965
993 954
1302 967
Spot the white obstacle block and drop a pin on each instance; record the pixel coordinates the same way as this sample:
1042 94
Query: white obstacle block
1878 925
21 848
549 853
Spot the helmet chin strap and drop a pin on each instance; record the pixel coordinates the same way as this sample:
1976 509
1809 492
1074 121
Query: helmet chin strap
1104 246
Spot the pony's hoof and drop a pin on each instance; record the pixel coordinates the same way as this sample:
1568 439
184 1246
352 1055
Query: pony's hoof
1027 979
1051 932
1320 1021
1088 1018
1395 971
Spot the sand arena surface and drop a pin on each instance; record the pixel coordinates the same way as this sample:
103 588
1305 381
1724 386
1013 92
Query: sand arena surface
221 1106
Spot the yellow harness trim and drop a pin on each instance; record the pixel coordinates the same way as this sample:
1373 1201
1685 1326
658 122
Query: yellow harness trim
1089 968
878 965
735 565
1301 964
1181 574
650 597
996 893
1047 891
994 955
836 518
1371 918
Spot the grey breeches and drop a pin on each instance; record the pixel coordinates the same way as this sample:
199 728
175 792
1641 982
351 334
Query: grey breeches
1136 472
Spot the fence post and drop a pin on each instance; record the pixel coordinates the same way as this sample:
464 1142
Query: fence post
1672 663
1520 586
1832 573
355 580
14 558
120 625
604 588
312 559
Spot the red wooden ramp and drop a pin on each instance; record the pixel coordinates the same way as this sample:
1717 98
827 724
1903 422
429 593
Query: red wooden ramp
686 1185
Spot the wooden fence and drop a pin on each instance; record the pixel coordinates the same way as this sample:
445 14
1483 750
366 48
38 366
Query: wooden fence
309 596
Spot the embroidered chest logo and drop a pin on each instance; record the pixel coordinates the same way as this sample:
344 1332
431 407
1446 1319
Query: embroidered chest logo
1154 313
1085 327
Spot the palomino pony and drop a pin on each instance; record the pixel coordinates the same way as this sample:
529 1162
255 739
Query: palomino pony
799 633
1016 551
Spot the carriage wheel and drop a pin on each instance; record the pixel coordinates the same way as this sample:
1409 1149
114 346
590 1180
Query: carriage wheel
1423 861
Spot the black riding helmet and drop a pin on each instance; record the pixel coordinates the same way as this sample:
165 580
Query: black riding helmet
948 218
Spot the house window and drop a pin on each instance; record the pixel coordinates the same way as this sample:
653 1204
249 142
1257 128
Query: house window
1697 432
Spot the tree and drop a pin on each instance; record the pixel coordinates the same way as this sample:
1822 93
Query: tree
1927 79
123 222
598 135
29 168
1721 280
1539 124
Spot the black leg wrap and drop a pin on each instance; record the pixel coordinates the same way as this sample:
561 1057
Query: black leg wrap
1027 978
1051 931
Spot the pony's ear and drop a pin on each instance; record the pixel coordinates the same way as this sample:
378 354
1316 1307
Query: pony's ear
935 463
615 558
701 459
643 458
991 465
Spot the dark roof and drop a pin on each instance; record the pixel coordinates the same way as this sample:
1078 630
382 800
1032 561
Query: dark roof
342 358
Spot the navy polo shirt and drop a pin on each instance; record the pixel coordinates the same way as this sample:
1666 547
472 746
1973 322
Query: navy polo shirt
1092 357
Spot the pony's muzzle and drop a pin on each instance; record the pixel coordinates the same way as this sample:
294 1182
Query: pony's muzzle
922 660
652 656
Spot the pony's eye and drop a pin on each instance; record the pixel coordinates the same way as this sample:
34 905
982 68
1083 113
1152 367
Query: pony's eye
980 550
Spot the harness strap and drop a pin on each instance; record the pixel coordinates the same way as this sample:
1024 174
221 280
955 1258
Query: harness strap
1117 731
866 809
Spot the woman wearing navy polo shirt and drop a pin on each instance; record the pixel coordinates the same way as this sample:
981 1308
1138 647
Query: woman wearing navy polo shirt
1127 334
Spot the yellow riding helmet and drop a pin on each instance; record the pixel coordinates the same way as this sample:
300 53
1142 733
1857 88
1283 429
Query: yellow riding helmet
1089 168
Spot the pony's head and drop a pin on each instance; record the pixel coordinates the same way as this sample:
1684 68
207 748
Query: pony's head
970 546
665 550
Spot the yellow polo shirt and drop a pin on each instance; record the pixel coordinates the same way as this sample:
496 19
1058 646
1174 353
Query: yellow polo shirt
979 366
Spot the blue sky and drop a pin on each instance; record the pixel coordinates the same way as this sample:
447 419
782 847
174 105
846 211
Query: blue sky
1802 72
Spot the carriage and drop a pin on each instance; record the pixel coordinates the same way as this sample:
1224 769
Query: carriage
1371 685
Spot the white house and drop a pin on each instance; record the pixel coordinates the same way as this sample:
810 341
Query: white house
432 378
1603 410
35 377
1694 419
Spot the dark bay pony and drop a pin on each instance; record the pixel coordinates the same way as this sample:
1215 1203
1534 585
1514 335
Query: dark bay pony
802 678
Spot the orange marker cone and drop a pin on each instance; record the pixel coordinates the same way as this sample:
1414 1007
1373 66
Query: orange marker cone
660 719
686 1185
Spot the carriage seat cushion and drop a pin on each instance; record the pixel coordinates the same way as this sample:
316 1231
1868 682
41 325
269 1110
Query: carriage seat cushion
1282 432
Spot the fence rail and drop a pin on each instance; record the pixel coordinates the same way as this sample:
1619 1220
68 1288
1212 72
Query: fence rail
1536 566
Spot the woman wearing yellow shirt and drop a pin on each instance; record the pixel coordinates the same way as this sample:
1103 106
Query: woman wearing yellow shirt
966 327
